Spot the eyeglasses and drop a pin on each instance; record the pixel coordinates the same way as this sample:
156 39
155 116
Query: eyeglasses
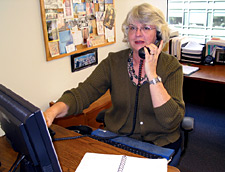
144 29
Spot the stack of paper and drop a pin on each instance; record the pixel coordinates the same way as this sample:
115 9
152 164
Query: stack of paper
188 70
192 52
94 162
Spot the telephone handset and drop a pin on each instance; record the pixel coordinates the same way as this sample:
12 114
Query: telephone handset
141 51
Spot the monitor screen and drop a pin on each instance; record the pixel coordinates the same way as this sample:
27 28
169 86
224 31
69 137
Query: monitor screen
26 131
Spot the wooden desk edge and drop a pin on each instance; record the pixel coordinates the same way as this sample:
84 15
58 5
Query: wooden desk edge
8 155
213 74
105 147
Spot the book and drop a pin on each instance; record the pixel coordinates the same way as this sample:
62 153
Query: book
188 70
96 162
176 45
213 45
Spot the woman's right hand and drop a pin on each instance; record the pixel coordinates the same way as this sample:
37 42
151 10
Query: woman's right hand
57 110
151 60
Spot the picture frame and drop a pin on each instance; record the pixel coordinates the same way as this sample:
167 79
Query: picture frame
84 59
220 56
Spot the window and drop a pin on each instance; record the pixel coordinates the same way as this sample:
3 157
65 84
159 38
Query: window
198 19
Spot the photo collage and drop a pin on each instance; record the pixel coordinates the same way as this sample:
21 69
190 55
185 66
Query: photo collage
78 23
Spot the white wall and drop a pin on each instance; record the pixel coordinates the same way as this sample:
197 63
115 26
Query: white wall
23 65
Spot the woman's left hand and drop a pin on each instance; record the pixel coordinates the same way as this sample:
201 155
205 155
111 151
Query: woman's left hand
151 59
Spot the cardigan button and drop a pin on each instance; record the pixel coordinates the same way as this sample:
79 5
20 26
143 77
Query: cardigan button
141 123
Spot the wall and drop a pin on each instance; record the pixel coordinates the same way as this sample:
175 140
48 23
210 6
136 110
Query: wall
23 65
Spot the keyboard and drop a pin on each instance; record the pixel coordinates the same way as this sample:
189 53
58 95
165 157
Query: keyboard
132 145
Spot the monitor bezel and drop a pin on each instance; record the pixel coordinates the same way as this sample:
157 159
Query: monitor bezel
25 128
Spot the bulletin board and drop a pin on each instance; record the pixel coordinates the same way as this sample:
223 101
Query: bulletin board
75 26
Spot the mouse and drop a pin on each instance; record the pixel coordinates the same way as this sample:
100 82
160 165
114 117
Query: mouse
81 129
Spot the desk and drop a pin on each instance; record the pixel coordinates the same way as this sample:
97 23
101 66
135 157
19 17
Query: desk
213 74
70 152
206 86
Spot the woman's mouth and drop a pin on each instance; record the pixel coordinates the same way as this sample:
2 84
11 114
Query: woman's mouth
139 42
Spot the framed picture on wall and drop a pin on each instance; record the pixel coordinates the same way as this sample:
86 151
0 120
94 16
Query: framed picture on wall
83 60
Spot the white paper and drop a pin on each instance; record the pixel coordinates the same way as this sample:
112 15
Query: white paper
76 1
2 133
187 70
94 162
77 36
70 48
193 46
109 34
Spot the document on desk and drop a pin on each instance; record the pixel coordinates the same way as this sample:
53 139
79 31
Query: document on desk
96 162
188 70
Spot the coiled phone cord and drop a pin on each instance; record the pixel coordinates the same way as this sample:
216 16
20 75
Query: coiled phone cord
136 98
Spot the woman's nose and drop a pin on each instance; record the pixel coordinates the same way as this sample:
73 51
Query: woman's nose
138 32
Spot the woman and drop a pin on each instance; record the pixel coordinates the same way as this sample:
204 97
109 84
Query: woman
160 108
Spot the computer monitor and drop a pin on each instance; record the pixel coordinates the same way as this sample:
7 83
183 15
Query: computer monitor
26 130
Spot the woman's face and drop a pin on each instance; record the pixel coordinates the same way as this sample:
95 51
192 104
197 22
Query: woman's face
140 35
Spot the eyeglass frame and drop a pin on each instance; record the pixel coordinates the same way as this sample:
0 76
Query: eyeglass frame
142 29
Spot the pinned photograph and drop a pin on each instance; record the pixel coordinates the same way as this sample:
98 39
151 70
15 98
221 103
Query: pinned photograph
52 29
65 40
54 48
109 17
68 9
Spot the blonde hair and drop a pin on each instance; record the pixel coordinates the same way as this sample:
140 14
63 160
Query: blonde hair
149 15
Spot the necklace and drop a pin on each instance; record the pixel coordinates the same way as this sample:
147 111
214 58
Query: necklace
131 70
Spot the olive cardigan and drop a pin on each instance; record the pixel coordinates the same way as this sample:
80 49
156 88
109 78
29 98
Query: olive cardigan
159 125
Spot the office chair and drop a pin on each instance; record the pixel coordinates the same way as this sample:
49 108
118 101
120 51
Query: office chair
187 125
